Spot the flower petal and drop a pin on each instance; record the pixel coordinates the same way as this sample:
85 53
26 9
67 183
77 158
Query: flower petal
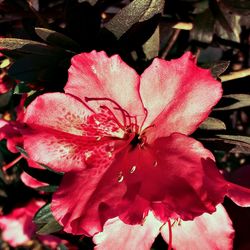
65 152
183 95
118 235
57 111
208 231
67 134
239 195
10 131
96 196
17 227
188 182
95 75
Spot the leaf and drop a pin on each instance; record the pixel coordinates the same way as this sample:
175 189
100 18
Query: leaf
57 39
21 88
213 124
152 46
45 221
230 143
217 68
203 29
136 11
219 15
26 46
48 189
22 151
241 7
5 98
243 100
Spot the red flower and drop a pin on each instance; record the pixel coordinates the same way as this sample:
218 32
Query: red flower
18 228
121 140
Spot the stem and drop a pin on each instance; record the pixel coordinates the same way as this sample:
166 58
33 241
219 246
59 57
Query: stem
9 165
171 43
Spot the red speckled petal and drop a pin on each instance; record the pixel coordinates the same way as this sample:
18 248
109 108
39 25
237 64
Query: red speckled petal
57 111
183 95
95 75
65 152
118 235
208 231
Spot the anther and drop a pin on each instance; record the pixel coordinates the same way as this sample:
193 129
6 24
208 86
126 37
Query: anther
120 177
132 170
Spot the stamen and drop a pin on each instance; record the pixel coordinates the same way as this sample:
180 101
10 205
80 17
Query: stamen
170 235
87 99
146 115
120 177
9 165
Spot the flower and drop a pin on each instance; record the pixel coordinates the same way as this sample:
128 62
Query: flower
211 231
122 141
18 228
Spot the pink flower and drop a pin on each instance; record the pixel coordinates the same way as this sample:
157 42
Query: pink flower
122 141
18 228
209 231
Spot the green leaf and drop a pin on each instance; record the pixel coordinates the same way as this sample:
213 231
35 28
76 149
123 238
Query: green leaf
243 100
213 124
203 29
27 46
152 46
57 39
136 11
45 221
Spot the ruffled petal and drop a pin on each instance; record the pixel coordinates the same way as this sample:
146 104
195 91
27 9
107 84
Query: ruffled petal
188 182
95 75
96 193
183 95
118 235
208 231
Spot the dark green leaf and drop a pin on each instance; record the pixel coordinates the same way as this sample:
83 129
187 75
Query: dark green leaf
243 100
27 46
57 39
203 29
213 124
241 7
22 151
136 11
217 68
48 189
45 221
22 88
229 143
5 98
